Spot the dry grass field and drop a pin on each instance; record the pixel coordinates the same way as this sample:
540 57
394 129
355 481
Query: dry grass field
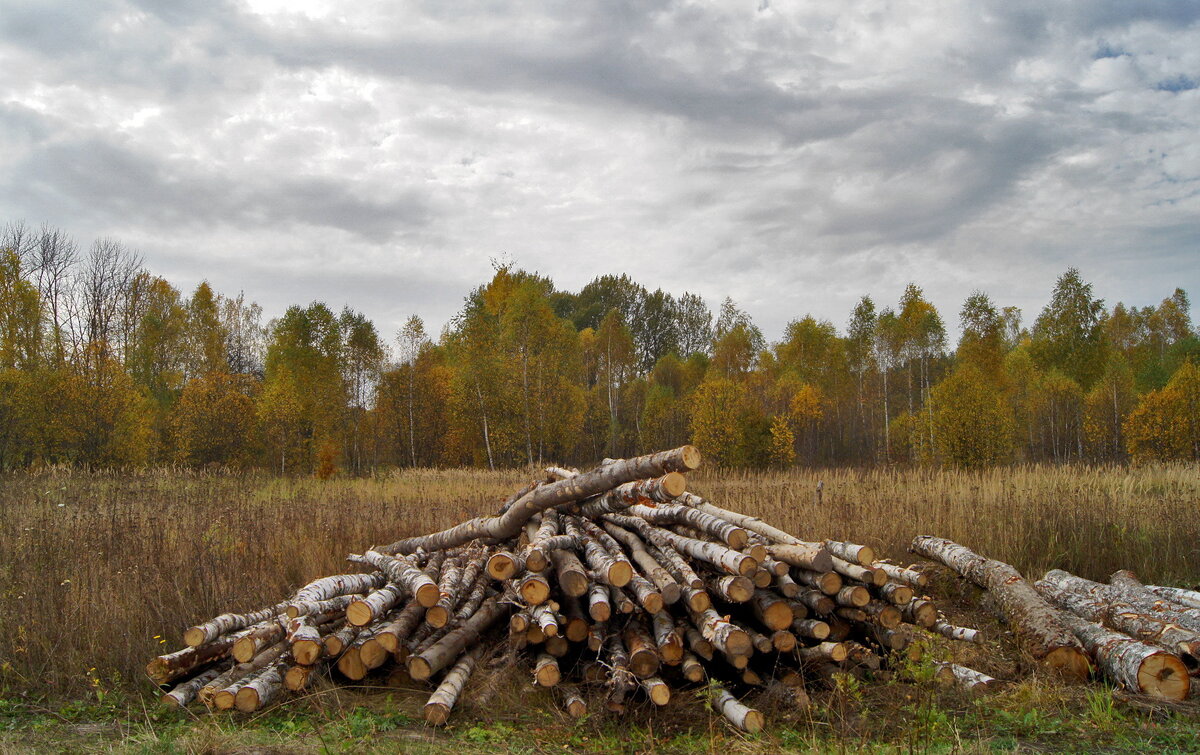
101 571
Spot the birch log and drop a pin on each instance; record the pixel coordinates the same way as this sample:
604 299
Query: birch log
1046 634
1138 667
599 480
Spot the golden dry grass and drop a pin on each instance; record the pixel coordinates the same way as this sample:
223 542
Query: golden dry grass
101 571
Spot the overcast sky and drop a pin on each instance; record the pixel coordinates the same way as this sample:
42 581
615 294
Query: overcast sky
794 156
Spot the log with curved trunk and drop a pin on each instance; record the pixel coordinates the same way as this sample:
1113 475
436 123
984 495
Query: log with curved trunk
1139 667
441 702
1046 634
498 528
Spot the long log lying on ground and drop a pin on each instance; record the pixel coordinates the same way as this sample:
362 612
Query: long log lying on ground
1122 618
1048 637
1142 668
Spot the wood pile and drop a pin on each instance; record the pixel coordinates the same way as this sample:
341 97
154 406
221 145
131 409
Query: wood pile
1143 638
615 581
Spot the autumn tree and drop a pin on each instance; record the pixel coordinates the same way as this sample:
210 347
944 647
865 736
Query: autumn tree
214 420
982 342
973 427
1166 425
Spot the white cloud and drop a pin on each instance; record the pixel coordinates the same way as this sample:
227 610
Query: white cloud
795 156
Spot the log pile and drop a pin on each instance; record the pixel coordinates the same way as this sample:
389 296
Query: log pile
615 581
616 585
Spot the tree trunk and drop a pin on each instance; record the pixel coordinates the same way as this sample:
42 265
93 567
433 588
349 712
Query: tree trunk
1042 626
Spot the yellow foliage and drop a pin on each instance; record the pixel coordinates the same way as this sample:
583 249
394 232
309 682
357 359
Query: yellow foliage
783 442
213 420
972 423
1166 425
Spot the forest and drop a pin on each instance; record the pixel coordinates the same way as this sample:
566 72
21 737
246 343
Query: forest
104 364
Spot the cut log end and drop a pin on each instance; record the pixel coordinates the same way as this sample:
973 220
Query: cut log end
754 722
576 708
244 649
306 652
1071 662
246 700
1164 676
360 614
501 566
573 584
427 596
194 637
419 668
533 591
620 573
437 714
673 484
437 616
691 458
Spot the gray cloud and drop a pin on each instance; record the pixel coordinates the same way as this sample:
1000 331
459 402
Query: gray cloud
794 157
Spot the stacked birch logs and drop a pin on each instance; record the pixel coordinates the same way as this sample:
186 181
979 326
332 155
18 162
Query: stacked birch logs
1144 638
608 586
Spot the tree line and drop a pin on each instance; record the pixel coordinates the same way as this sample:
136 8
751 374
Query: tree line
103 363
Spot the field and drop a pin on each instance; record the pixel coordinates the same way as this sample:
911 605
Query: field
101 571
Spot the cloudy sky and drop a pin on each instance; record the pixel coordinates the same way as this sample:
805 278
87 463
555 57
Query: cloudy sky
792 155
